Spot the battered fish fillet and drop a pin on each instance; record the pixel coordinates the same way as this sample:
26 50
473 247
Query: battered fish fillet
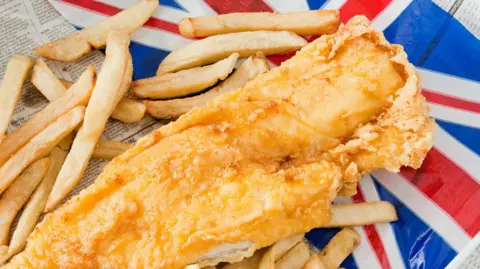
250 168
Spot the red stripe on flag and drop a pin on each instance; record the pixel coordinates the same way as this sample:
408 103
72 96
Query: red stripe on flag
369 8
373 236
450 187
446 100
279 59
229 6
108 10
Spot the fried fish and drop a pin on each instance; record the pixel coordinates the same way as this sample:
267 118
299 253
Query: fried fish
251 167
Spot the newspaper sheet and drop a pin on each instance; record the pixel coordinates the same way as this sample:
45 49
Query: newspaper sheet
465 11
469 257
24 26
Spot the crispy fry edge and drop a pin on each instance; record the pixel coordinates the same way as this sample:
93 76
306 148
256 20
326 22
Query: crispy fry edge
76 45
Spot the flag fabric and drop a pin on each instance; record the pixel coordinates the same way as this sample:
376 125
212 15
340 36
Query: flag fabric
437 204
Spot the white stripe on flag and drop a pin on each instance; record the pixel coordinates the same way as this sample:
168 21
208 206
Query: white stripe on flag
364 256
145 35
384 230
425 209
458 153
76 15
389 14
343 200
455 115
334 4
197 7
287 6
123 4
271 64
450 85
163 12
170 14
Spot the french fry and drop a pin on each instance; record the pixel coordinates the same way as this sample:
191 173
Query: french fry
129 110
40 145
67 84
184 82
314 263
78 94
215 48
110 149
249 69
67 142
295 258
46 82
336 251
104 149
4 254
52 88
110 87
277 250
362 214
17 71
126 79
18 193
36 204
82 42
314 22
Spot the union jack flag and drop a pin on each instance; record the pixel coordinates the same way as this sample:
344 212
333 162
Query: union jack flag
437 204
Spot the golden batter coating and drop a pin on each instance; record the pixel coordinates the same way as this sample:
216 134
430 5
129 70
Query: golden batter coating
252 167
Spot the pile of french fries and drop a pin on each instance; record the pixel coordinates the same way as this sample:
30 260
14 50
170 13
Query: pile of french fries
203 63
45 158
